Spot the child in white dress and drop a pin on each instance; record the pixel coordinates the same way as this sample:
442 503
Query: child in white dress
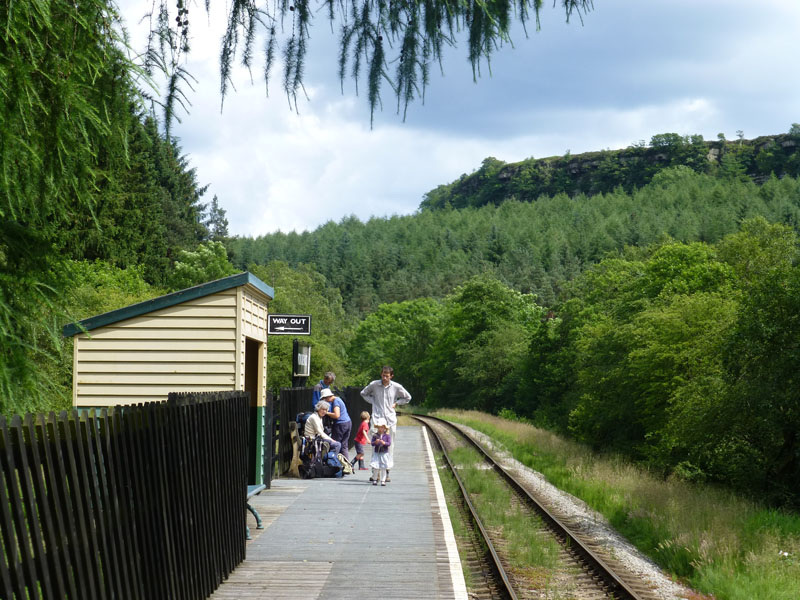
381 457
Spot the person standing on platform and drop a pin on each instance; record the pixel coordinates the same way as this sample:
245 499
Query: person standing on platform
384 395
361 440
340 420
324 384
382 459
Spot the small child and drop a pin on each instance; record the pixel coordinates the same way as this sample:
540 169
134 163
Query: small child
361 440
381 457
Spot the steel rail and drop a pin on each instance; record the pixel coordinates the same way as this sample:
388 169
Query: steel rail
618 587
498 567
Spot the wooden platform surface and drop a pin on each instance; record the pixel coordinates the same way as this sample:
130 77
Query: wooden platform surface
345 538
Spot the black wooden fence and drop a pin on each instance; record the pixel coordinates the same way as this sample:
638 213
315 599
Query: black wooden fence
144 501
297 400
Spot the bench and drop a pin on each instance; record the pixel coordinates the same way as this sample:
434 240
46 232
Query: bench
254 490
297 445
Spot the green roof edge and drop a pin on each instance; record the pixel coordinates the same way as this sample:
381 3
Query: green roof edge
198 291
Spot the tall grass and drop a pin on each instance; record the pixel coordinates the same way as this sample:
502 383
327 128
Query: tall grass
714 541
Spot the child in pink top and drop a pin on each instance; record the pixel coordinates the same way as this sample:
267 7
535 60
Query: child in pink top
361 440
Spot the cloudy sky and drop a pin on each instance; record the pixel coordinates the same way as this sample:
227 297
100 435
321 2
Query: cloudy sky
630 70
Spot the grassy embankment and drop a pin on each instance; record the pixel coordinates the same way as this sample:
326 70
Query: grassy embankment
714 541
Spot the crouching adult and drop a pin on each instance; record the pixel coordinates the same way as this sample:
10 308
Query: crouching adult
314 427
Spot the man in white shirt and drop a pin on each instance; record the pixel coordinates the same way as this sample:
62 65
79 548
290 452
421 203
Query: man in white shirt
384 395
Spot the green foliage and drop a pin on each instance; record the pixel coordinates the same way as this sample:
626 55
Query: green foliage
145 210
216 222
656 344
65 103
397 334
683 358
645 331
96 287
83 175
208 263
763 356
485 330
126 225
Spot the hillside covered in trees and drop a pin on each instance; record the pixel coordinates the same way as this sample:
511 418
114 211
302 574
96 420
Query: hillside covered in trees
534 247
629 169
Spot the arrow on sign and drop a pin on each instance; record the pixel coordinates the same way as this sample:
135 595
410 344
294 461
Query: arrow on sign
289 329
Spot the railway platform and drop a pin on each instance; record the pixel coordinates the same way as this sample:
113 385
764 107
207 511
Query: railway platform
332 539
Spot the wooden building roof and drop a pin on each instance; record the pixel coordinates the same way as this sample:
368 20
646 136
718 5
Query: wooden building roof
141 308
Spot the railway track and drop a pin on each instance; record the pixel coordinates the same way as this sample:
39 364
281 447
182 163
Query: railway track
583 573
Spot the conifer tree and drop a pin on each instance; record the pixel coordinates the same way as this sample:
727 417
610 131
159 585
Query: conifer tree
216 222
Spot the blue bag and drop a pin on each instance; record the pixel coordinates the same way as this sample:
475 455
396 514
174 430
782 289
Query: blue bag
333 468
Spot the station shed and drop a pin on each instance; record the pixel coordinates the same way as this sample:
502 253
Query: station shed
210 337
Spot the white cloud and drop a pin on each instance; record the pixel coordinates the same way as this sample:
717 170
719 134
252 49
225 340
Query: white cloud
629 72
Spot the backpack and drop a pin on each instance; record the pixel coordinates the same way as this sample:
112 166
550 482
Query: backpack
316 462
311 464
347 468
332 467
301 419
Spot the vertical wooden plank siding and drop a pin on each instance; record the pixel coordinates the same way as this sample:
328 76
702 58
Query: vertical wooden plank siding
146 501
34 526
96 471
15 532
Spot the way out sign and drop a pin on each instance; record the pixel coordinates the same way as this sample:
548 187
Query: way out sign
289 325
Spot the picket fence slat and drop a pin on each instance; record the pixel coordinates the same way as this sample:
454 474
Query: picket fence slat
30 477
97 468
55 469
46 506
122 472
143 501
118 577
13 577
